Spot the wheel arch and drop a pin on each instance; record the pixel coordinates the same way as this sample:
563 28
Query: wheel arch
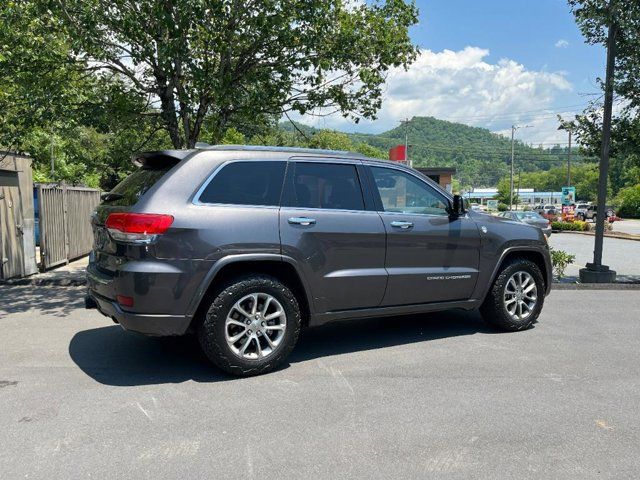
535 255
278 266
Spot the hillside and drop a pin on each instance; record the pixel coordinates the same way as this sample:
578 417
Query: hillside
480 156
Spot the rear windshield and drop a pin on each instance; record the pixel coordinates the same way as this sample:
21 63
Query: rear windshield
129 190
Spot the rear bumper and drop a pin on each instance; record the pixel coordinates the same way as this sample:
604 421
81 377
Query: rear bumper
152 325
101 295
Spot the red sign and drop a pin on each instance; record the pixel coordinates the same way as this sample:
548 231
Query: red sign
568 213
398 153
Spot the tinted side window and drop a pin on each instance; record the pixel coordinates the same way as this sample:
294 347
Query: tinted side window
326 185
401 192
246 183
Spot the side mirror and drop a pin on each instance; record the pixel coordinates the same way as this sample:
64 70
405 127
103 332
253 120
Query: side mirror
457 208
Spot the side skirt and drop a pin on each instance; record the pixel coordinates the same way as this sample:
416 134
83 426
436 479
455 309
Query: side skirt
322 318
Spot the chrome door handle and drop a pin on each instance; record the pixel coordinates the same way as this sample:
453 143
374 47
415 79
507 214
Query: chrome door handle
402 225
302 221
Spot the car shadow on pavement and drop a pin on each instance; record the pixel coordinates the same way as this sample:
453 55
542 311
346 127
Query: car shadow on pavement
112 356
373 333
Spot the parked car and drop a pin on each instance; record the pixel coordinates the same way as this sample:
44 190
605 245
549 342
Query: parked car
591 212
246 245
580 211
530 218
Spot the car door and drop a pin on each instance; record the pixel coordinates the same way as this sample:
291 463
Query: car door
330 228
431 256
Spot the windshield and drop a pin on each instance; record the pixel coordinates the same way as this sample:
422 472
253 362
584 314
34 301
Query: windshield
530 215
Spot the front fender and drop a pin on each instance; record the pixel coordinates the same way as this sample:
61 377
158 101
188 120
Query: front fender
491 267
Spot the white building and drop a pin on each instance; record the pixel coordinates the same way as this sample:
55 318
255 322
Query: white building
527 196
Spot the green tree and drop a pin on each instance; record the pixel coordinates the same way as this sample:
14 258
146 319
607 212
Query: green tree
503 195
593 18
628 202
226 59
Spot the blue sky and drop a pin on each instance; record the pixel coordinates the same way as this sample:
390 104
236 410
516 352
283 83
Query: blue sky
491 63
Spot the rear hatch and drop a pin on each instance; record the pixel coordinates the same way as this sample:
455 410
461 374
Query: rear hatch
152 166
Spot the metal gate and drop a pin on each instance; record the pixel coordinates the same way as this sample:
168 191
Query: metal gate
65 225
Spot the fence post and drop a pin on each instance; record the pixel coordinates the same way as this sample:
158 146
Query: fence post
65 222
41 228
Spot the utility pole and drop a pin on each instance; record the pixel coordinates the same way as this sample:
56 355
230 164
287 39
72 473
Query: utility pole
596 272
53 173
518 194
406 142
569 127
513 132
569 159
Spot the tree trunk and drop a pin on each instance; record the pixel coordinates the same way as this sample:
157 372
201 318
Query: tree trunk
169 116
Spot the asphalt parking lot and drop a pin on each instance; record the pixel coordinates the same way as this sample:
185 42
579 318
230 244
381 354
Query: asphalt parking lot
431 396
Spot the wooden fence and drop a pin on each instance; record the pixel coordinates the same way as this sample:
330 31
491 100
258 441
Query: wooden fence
65 223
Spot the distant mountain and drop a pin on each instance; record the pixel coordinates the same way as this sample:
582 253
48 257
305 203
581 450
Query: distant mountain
480 156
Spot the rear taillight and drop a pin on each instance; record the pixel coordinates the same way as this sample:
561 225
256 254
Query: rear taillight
124 301
137 227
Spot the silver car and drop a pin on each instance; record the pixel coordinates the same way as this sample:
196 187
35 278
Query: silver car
531 218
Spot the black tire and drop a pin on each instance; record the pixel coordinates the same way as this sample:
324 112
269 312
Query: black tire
211 331
493 309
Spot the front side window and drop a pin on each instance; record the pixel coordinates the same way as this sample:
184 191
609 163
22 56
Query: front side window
326 185
246 183
403 193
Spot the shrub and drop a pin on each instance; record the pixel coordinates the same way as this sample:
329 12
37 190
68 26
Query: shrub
503 207
560 260
582 226
569 226
629 201
575 226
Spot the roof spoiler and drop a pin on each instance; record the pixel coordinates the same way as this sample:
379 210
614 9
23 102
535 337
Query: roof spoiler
160 158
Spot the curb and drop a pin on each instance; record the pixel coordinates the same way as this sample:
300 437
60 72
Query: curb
49 282
594 286
619 236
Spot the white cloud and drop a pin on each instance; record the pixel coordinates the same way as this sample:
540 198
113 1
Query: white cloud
562 43
462 86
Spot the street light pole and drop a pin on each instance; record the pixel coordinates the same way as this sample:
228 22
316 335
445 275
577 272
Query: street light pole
569 160
596 272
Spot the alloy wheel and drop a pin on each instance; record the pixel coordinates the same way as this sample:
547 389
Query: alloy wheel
520 295
255 326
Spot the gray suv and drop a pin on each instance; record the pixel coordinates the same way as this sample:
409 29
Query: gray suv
246 245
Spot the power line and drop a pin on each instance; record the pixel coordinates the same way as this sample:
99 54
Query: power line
547 112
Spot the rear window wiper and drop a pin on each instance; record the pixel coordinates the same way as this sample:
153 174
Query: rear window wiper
107 197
